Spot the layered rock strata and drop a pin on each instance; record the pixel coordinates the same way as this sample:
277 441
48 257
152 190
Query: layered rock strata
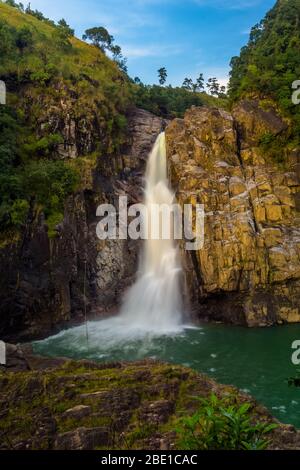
248 271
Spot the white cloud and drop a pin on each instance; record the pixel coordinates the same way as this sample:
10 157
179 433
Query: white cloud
224 81
152 50
135 52
222 74
116 15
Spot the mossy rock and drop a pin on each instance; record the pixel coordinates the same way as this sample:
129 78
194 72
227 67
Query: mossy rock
65 404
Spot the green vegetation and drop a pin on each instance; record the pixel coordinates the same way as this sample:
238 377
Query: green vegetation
270 63
52 77
23 180
215 88
100 37
273 147
188 84
38 59
167 102
136 404
222 424
171 102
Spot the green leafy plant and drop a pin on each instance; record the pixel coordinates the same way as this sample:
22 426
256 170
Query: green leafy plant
43 146
24 39
273 147
222 424
19 211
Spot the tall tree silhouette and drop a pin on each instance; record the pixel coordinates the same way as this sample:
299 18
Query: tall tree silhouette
162 75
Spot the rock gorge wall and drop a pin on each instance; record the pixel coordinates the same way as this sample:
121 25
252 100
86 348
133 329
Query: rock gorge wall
42 278
248 271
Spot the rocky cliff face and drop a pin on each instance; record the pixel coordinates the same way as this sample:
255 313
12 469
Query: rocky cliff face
116 260
47 281
248 270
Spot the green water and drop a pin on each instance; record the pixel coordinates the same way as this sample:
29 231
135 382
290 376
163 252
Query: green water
257 361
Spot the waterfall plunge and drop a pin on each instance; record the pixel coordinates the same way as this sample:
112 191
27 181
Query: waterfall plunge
154 302
153 305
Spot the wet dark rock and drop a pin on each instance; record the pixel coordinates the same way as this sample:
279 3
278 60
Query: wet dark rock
42 279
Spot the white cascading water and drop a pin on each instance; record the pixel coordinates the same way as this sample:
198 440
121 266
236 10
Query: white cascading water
154 301
153 305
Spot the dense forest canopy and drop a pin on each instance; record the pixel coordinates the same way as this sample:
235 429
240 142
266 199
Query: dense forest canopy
270 63
171 102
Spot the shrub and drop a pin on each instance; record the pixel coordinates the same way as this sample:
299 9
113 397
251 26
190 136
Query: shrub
49 182
273 147
43 146
24 39
167 102
19 211
7 42
52 221
222 424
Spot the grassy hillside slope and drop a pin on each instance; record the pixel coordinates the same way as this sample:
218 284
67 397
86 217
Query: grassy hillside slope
65 99
80 58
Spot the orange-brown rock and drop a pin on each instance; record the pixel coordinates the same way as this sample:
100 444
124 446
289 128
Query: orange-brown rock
248 270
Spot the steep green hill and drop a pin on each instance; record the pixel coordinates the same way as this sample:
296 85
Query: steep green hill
50 52
270 63
65 99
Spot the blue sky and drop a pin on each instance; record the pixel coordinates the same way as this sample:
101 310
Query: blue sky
185 36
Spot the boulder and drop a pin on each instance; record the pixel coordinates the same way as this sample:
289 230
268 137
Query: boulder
77 412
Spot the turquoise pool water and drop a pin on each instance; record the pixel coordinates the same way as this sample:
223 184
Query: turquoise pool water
257 361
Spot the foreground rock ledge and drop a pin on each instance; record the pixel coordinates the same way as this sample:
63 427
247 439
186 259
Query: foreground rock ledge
74 405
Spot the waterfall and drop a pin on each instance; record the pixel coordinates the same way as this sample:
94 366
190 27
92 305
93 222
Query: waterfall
152 308
154 302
